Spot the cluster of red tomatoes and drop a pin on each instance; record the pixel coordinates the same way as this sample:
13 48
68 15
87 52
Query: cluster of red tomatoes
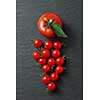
50 60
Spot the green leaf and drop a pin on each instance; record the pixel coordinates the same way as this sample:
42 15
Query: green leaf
42 74
58 30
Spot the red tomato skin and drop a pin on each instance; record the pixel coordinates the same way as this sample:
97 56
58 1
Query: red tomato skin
48 44
51 61
42 61
45 53
57 45
37 43
46 68
59 61
54 76
45 79
51 86
43 28
36 55
59 69
56 53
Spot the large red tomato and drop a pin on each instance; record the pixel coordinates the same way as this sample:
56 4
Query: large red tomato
44 24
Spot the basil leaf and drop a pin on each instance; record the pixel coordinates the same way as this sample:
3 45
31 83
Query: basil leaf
58 30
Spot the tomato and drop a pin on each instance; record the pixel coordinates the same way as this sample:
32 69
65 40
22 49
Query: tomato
36 55
48 44
51 61
55 53
45 21
59 69
45 79
57 44
60 61
45 53
37 43
46 68
51 86
42 61
54 76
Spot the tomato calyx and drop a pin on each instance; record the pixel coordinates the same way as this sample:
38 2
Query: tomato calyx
64 57
43 74
49 23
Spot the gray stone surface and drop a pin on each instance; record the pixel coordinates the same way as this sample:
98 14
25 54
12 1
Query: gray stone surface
29 85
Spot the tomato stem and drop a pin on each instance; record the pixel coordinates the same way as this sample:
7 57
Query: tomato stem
49 23
64 57
42 74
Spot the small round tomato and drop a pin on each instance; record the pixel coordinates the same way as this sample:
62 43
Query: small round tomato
37 43
46 68
54 76
59 69
36 55
42 61
45 79
51 86
45 53
56 53
48 44
60 61
44 24
57 44
51 61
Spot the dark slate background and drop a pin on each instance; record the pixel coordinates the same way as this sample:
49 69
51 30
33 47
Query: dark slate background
29 85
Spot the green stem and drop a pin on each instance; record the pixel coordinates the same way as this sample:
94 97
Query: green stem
49 23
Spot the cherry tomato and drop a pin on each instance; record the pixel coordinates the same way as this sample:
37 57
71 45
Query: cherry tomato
57 45
46 68
59 69
45 79
60 61
45 53
48 44
51 86
56 53
42 61
51 61
36 55
37 43
54 76
45 21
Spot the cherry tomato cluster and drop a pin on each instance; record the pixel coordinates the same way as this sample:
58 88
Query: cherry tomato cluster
51 61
